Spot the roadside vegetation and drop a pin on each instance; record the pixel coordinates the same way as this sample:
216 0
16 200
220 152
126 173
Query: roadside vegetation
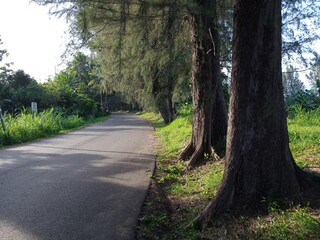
25 127
177 196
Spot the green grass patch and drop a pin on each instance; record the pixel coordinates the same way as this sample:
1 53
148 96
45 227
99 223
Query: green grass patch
190 191
298 223
24 127
304 135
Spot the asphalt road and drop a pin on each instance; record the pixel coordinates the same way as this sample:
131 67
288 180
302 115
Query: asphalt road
87 184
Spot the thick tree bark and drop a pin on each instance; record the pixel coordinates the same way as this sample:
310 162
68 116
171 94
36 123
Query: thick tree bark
205 68
258 159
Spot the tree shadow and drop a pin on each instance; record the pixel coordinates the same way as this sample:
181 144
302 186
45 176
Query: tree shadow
77 194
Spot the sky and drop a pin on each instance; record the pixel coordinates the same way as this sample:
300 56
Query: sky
34 40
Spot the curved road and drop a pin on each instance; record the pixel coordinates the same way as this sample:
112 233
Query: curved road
87 184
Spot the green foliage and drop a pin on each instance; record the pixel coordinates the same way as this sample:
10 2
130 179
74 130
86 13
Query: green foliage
190 191
296 224
300 24
314 77
24 127
76 89
291 83
20 90
295 94
175 135
304 136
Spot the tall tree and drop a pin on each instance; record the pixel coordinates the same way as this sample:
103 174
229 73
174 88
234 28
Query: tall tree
258 159
22 90
98 18
4 72
75 89
205 81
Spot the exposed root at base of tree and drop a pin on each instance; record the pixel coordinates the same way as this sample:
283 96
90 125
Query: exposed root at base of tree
195 156
310 183
186 152
307 178
218 205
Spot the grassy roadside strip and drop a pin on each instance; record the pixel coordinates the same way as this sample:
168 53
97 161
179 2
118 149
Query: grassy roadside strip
24 127
176 196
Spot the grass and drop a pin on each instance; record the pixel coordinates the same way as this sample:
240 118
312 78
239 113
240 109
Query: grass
184 194
304 134
24 127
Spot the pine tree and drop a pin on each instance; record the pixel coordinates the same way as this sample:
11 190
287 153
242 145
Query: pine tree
258 160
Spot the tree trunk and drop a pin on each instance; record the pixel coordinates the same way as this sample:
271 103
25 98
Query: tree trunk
258 159
163 96
219 113
164 106
219 121
205 63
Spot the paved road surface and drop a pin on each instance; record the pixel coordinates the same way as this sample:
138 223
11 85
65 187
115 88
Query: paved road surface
88 184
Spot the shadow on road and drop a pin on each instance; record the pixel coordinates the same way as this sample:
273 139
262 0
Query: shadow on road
71 193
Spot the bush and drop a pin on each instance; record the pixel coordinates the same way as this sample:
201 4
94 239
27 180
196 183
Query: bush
24 127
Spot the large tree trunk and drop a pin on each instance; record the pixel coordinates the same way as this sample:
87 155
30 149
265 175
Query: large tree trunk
205 61
258 159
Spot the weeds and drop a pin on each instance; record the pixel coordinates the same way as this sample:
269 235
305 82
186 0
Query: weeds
24 127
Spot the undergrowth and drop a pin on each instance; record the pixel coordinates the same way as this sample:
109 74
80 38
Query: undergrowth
24 127
186 193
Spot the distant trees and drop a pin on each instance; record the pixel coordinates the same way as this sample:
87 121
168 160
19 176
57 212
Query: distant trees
22 90
4 71
300 23
314 77
75 90
295 92
292 85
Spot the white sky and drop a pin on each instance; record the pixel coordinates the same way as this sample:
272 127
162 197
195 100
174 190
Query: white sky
34 39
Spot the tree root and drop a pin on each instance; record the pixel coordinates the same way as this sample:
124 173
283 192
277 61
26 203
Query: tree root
218 205
196 157
307 179
187 152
